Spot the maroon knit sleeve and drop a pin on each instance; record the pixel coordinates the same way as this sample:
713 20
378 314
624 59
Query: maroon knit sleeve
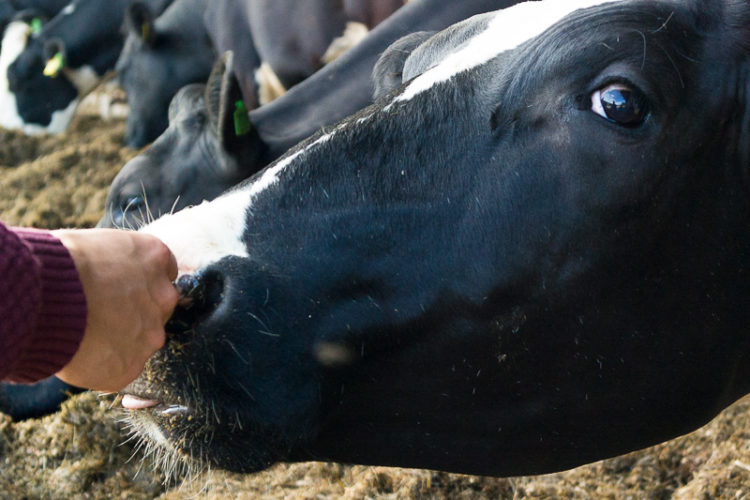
42 305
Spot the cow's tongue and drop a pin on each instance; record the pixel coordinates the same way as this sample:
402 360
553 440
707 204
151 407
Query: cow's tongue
135 403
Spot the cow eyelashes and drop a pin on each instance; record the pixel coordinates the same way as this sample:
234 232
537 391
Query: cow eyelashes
620 103
130 204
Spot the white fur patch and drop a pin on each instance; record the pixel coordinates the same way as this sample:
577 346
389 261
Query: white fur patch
84 78
201 235
14 41
154 433
69 9
204 233
508 29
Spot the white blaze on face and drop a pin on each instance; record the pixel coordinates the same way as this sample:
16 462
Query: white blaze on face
508 29
204 234
14 41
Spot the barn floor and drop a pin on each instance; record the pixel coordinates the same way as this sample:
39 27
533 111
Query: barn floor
80 452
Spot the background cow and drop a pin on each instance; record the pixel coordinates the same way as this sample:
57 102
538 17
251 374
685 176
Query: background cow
198 157
159 180
49 71
161 56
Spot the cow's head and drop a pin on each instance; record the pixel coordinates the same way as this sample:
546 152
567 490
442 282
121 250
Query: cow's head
530 255
29 100
159 57
200 155
50 70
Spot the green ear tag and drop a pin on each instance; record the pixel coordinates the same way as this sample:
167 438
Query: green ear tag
54 65
242 123
35 25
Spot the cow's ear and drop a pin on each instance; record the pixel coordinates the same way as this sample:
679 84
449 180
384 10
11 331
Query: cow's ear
388 71
228 116
139 20
226 109
224 101
54 54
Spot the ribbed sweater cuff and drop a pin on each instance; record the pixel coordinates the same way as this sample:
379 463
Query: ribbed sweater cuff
62 316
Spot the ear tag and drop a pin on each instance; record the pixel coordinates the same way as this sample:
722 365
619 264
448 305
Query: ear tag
242 125
35 26
145 31
54 65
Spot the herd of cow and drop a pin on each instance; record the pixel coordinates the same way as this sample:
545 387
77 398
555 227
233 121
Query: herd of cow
493 237
55 52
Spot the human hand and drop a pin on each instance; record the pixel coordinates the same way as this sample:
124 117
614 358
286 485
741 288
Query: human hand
127 280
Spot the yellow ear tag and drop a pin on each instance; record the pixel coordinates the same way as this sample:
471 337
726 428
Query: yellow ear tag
54 65
145 31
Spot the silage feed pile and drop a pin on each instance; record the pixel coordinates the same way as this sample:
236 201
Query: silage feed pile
83 452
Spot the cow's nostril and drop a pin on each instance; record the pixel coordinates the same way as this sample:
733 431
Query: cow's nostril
189 288
199 294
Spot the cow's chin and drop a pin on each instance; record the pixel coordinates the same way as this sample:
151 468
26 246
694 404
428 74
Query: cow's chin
187 439
162 437
191 409
185 419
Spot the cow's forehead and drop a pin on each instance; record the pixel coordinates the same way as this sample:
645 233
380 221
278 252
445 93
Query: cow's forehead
216 229
505 30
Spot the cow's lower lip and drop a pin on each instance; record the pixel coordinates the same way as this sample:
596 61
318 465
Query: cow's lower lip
131 402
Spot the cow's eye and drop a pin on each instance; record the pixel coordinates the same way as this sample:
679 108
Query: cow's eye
134 203
620 103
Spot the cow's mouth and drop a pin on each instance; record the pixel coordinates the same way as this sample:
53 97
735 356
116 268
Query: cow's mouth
148 396
137 403
160 428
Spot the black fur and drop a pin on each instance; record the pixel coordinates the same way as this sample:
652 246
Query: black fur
489 277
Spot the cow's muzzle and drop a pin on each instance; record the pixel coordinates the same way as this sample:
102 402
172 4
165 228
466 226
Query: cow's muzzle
200 294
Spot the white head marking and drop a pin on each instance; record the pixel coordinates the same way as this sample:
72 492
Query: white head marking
14 41
508 29
205 233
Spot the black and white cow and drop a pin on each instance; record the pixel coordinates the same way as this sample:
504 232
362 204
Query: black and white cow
43 75
20 109
198 157
531 255
188 163
161 56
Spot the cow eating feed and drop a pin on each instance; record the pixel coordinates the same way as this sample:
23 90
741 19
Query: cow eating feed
530 255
